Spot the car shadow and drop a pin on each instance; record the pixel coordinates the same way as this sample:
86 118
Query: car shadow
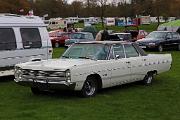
6 78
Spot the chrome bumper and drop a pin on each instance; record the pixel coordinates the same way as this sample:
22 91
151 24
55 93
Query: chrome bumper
45 84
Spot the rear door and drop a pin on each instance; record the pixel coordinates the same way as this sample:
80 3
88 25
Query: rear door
135 62
176 39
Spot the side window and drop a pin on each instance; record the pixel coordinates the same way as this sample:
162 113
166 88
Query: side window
118 51
176 35
31 38
169 36
7 39
130 51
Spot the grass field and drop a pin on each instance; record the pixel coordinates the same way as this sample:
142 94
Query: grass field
161 101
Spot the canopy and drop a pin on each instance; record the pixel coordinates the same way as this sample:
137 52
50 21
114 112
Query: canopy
170 26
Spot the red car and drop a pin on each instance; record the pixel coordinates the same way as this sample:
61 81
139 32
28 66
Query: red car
58 38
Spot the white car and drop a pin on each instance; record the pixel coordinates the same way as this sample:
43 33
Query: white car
89 66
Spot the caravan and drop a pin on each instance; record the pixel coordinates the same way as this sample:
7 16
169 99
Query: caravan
22 39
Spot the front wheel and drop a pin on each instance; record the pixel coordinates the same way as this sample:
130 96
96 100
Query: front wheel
89 88
160 48
148 79
56 45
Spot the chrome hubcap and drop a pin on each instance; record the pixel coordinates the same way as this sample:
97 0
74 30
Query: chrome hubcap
160 48
149 79
56 45
90 88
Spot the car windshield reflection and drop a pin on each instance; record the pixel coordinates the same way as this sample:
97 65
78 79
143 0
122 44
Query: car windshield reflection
87 51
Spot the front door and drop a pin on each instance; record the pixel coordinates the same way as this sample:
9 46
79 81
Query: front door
119 66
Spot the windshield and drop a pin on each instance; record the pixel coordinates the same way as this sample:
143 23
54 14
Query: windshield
87 51
156 35
77 36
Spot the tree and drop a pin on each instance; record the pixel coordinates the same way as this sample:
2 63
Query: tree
102 4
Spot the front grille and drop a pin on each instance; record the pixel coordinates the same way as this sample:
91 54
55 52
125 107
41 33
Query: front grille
43 75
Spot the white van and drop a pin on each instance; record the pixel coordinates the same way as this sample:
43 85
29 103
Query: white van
22 39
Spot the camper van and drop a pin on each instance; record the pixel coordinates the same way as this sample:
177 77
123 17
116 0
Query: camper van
22 39
110 21
56 23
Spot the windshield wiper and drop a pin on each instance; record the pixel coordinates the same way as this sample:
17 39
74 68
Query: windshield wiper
84 57
65 56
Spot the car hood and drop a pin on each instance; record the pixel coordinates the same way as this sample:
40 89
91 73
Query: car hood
55 64
148 40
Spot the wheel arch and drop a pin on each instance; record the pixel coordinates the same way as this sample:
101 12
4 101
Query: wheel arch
97 78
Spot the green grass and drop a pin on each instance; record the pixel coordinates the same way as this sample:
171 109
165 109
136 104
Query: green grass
161 101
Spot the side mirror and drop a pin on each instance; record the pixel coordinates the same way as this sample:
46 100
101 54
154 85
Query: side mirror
117 56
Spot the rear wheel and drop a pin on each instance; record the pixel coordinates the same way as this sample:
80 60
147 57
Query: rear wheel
179 47
148 79
35 90
56 45
89 88
160 48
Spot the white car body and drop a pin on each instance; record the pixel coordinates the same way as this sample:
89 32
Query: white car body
111 72
21 51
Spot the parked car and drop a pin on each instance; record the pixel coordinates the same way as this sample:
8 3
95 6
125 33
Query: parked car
58 38
124 36
89 66
22 39
135 33
160 40
79 37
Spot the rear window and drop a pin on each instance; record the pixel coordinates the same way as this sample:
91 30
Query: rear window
7 39
31 38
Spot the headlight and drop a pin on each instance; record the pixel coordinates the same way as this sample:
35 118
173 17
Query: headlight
68 76
152 44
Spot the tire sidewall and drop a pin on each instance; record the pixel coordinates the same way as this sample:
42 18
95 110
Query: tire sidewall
93 82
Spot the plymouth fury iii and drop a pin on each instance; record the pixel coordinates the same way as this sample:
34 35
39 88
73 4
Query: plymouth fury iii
89 66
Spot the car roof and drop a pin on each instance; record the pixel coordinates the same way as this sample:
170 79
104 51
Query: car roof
106 42
162 31
122 33
81 33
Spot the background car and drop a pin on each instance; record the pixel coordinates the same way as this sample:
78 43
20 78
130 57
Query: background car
79 37
135 33
58 38
160 40
124 36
